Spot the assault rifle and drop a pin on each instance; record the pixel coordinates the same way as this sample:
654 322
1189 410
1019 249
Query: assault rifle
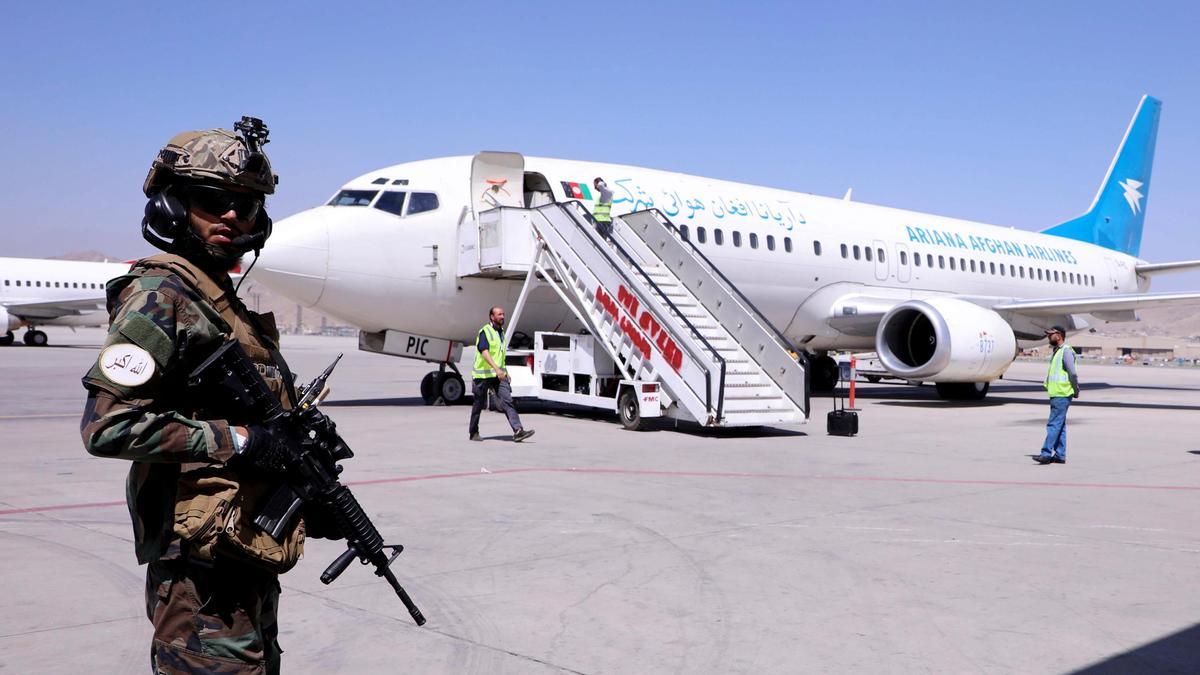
312 475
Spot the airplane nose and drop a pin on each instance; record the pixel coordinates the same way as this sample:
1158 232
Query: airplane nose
295 260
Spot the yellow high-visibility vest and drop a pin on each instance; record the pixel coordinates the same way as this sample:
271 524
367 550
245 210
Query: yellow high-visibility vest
482 370
1058 382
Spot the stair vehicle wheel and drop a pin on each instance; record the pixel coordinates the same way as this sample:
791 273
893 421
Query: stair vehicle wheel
7 339
452 389
35 338
630 412
824 373
963 391
430 387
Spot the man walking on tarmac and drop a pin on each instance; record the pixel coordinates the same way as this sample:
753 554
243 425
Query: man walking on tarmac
1063 385
603 210
489 375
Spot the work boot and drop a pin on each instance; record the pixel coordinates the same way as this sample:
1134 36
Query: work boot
476 437
522 434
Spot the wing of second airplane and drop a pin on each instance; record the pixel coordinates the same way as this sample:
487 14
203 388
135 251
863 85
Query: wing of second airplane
54 309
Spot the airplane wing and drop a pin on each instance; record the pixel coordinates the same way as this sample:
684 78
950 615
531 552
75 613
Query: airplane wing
859 315
1090 305
56 308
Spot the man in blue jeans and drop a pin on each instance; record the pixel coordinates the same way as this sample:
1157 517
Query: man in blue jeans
1062 384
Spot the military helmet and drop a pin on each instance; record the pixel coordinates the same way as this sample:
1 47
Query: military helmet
212 156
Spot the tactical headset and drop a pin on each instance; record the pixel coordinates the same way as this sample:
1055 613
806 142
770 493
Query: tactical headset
166 225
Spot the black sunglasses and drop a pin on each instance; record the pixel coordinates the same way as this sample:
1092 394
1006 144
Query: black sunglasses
219 201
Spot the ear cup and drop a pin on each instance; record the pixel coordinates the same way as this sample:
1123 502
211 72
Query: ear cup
263 225
166 214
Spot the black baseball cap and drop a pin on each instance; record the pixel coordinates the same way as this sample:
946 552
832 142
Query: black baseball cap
1056 329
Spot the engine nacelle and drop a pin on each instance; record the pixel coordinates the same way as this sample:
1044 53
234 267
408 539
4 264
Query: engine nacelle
945 340
8 321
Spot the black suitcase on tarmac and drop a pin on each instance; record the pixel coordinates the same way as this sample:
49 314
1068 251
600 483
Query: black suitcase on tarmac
841 422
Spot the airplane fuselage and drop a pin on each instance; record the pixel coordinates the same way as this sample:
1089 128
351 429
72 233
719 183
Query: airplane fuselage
26 283
795 255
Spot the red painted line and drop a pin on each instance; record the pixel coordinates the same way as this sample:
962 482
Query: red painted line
58 507
696 474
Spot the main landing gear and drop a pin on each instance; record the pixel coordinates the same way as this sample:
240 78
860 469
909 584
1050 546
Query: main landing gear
823 373
32 337
441 386
962 391
35 338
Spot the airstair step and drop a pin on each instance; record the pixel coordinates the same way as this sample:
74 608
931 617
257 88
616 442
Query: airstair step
747 385
731 412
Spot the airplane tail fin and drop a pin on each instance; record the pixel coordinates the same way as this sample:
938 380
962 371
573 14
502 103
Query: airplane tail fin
1115 218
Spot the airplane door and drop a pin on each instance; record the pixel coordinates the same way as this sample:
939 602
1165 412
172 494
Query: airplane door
1114 273
902 262
497 179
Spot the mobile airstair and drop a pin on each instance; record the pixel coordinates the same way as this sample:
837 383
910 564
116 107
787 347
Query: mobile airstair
674 327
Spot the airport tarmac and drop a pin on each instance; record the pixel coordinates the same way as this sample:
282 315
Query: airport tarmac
929 543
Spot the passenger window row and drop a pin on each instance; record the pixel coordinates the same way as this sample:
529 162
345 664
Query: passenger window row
718 238
986 267
52 284
391 201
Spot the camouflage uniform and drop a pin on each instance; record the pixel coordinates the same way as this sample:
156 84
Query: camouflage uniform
214 616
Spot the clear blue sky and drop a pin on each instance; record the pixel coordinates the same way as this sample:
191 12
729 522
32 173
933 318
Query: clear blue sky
1006 113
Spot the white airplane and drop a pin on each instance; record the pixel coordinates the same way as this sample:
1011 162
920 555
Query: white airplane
940 299
36 292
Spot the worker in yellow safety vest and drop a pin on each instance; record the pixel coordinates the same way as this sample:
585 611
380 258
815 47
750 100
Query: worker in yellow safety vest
1062 384
602 212
489 375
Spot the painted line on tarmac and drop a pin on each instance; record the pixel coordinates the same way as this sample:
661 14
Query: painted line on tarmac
693 474
38 417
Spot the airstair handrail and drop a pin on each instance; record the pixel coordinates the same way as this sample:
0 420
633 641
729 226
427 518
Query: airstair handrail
590 230
757 314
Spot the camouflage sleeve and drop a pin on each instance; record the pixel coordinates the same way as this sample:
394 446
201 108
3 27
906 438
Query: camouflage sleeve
122 417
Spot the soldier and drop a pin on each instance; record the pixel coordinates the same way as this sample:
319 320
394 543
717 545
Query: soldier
211 582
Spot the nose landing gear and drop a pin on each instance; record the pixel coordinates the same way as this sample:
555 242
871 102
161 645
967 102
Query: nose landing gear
448 388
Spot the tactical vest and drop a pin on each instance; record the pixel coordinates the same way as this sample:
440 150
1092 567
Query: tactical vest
1058 382
482 370
214 508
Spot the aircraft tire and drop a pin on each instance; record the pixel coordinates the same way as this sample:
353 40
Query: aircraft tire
873 379
962 391
7 339
35 338
823 373
453 389
629 411
429 387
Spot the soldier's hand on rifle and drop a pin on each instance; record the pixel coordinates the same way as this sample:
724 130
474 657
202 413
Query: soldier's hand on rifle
266 448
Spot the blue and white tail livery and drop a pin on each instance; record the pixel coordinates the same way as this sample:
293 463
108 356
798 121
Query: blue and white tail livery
1115 218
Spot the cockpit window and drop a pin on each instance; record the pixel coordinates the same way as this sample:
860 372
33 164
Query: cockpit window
420 202
353 198
392 202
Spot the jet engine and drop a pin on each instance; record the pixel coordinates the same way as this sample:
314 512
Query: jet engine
8 321
945 340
